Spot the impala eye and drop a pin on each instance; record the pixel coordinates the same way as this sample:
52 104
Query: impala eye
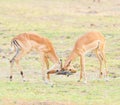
57 70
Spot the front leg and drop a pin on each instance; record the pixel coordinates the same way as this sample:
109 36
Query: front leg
50 72
43 65
82 66
48 77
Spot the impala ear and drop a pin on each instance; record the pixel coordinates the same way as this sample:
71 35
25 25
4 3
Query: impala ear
61 64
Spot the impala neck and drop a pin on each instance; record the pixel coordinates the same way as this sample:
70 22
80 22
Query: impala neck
53 57
72 56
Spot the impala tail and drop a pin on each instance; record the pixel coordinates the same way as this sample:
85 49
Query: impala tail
14 45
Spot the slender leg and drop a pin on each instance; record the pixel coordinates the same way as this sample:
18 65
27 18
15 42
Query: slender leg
48 77
47 63
12 63
82 65
18 58
20 69
81 69
11 70
101 62
50 72
43 65
105 63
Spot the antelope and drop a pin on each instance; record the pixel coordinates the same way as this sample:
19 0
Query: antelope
26 42
92 41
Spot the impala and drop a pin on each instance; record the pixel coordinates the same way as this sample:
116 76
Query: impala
92 41
26 42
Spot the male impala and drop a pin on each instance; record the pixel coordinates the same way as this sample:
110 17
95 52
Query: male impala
92 41
26 42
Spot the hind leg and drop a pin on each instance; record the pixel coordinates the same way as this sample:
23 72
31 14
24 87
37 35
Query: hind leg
100 61
12 63
103 57
11 69
105 63
18 58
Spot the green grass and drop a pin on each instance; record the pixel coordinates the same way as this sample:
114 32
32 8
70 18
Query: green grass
96 92
62 21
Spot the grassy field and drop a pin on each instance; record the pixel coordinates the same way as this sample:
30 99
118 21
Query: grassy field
62 21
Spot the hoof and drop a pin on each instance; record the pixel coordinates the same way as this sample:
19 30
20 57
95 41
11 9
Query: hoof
52 85
85 82
107 79
46 82
10 78
49 83
24 80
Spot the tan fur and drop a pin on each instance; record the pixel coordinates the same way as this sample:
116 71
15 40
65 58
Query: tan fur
26 42
92 41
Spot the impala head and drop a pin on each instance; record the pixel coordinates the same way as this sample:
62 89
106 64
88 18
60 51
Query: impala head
56 67
66 70
69 68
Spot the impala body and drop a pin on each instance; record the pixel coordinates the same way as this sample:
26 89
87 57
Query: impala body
92 41
26 42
